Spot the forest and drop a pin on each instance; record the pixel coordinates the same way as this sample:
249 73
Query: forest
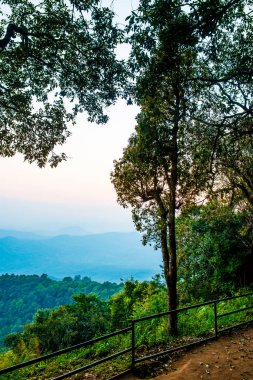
186 172
21 296
88 316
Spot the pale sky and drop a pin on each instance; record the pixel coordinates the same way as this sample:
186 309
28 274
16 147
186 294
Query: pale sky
78 192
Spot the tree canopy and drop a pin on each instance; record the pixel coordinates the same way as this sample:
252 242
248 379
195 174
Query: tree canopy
57 58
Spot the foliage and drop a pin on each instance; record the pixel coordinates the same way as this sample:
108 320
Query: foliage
86 318
215 253
234 164
63 327
57 326
21 296
134 295
222 120
57 58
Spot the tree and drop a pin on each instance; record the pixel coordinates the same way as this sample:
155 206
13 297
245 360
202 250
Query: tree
65 326
154 171
122 303
133 299
215 252
176 49
56 59
144 179
224 118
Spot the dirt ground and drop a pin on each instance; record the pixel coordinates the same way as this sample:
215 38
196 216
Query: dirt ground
228 357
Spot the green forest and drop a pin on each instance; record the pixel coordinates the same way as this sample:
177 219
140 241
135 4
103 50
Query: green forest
21 296
186 172
88 317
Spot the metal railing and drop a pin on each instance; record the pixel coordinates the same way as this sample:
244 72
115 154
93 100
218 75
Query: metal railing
135 360
202 340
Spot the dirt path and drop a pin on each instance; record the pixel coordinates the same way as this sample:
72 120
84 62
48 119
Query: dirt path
229 357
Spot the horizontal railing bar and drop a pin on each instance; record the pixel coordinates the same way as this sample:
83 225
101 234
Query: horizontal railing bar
63 351
234 311
81 369
152 316
190 344
234 326
174 349
233 297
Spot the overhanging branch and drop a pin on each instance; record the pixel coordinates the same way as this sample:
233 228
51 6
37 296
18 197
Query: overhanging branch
10 33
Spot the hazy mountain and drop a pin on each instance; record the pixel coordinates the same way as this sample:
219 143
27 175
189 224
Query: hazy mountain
72 230
20 234
104 257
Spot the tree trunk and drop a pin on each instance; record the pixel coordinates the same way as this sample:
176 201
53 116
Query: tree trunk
166 263
172 221
170 265
172 280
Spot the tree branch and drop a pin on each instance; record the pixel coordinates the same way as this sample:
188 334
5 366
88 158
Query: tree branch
10 33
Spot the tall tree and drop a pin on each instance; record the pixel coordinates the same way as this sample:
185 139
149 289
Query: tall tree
164 52
57 58
144 179
177 47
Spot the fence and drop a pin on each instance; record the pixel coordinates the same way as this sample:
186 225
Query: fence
132 329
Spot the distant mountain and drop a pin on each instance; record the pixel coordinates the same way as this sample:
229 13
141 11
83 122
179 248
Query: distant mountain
72 230
21 235
103 257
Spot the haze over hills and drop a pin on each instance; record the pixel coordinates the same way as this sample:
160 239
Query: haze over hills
102 257
20 234
37 235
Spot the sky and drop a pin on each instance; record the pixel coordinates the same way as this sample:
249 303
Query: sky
77 196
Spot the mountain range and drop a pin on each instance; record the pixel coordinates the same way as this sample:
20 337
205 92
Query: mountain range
103 257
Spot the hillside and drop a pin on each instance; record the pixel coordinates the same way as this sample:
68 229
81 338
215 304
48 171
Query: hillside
21 296
103 257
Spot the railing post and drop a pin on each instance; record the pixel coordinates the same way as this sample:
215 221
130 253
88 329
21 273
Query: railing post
133 345
215 319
